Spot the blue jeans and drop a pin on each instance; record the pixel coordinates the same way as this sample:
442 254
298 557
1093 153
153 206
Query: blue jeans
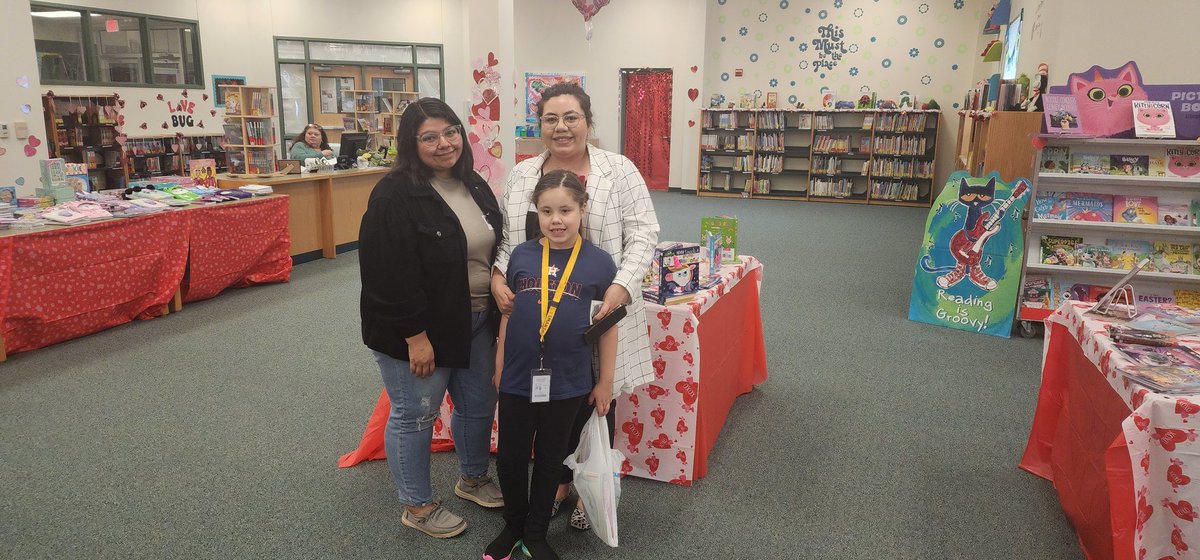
416 403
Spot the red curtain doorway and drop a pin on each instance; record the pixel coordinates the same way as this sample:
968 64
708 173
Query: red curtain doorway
646 137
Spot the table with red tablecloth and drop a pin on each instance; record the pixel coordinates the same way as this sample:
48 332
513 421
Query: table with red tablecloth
665 428
63 282
1122 458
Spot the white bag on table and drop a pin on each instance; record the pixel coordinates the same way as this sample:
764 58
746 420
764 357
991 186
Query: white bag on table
597 469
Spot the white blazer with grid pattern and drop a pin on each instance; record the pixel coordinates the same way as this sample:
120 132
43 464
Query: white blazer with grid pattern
621 221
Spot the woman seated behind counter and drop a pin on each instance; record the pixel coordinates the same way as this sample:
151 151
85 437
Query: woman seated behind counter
311 143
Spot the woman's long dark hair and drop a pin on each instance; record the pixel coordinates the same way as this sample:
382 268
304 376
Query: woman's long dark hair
407 157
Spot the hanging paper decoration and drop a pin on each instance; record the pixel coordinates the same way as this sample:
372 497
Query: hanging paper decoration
589 8
484 119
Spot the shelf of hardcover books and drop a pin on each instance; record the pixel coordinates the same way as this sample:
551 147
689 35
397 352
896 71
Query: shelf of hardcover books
1101 206
250 141
829 156
83 129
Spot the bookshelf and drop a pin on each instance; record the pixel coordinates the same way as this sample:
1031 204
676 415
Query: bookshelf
996 141
1078 259
881 157
391 106
83 129
250 141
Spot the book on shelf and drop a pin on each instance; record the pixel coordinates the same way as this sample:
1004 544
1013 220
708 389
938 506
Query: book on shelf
1183 162
1062 114
233 134
1095 164
1055 159
1135 209
1060 250
805 121
868 121
1135 165
724 228
1174 258
1036 292
1126 253
1174 213
1153 119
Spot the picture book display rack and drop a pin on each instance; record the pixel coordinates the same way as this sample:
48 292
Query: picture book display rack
1100 206
853 156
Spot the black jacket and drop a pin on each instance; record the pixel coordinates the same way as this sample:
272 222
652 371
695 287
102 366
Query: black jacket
413 263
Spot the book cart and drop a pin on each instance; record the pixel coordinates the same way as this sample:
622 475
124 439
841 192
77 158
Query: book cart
1100 205
250 141
851 156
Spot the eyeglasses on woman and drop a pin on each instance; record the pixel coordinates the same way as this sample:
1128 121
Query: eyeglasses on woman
431 138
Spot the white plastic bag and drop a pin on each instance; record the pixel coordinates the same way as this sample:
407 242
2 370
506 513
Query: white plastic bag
597 470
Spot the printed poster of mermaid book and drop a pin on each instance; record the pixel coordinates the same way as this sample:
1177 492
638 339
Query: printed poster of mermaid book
968 273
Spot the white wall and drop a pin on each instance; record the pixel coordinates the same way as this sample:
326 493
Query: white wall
16 26
627 34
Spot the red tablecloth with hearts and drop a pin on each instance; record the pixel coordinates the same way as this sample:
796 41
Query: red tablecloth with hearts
69 282
61 283
237 245
1122 457
665 428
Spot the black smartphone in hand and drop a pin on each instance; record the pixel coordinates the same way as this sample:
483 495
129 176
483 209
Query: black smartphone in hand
592 335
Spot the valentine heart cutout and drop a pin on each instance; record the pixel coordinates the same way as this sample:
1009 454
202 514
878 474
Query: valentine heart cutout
492 61
693 93
204 97
34 141
142 104
23 81
694 69
691 123
19 181
30 151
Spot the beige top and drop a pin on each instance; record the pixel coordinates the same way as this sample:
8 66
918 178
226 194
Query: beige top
480 238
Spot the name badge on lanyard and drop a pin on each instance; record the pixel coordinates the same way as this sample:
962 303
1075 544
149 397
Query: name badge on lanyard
540 388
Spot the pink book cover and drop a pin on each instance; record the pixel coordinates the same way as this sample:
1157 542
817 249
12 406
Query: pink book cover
1135 209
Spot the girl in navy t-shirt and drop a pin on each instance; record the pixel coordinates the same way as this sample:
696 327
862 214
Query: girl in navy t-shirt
543 365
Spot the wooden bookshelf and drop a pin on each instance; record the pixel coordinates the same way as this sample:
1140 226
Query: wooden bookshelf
998 141
392 106
884 157
82 129
250 141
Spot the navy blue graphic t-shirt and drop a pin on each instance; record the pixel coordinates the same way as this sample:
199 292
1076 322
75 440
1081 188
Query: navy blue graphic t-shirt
568 356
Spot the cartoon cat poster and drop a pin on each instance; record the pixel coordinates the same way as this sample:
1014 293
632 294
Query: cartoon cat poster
1105 98
968 273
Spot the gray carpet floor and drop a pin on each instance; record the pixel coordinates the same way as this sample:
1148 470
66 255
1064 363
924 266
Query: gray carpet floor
213 433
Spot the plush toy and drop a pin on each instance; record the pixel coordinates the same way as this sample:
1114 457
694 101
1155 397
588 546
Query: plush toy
844 105
887 104
1040 83
931 105
864 102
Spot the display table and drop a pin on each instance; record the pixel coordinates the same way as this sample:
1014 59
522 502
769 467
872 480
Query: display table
665 428
1122 457
63 282
326 207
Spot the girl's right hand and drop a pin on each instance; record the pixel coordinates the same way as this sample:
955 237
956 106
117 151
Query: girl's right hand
504 296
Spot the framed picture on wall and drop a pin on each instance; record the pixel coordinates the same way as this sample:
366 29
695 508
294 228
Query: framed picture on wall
219 92
772 99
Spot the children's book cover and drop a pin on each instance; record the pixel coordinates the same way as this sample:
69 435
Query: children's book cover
1135 209
1049 205
1087 207
8 195
1160 355
1175 258
725 227
1096 164
1060 249
1062 114
1164 379
1129 165
1174 214
203 171
968 275
1157 166
1056 159
1153 119
1175 312
1126 253
1036 292
1183 162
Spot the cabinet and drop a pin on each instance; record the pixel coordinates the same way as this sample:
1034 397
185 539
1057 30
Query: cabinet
1000 141
1101 205
82 129
852 156
250 140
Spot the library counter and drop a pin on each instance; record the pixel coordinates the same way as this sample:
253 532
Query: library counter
326 207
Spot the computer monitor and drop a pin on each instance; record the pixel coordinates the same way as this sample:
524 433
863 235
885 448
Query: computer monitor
1012 47
352 142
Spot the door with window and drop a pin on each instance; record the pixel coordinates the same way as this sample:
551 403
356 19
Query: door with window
646 123
332 101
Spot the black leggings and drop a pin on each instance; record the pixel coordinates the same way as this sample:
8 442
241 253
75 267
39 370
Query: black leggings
586 411
546 428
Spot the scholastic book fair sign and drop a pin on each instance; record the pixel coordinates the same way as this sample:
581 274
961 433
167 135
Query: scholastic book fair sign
968 274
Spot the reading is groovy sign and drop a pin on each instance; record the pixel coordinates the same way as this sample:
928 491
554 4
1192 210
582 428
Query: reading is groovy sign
968 274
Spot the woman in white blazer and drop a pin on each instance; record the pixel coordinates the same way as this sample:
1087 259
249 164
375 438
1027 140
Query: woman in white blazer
620 220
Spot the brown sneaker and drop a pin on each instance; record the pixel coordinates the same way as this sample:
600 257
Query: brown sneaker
482 491
438 522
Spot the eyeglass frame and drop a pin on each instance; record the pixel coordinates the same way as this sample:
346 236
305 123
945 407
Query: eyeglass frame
457 128
579 117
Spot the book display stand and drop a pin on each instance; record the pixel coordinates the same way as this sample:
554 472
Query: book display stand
250 140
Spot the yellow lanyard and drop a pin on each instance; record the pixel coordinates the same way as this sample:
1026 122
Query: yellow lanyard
548 310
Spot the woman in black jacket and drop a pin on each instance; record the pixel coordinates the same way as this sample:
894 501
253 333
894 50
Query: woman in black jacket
426 247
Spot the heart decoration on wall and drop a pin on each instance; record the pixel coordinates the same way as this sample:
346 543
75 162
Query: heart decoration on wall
142 126
159 97
691 123
165 125
693 93
184 94
20 181
120 138
23 81
142 104
491 61
3 151
204 96
212 112
200 124
694 69
26 108
31 147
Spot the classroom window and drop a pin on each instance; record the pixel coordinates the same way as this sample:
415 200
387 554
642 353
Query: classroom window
80 45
